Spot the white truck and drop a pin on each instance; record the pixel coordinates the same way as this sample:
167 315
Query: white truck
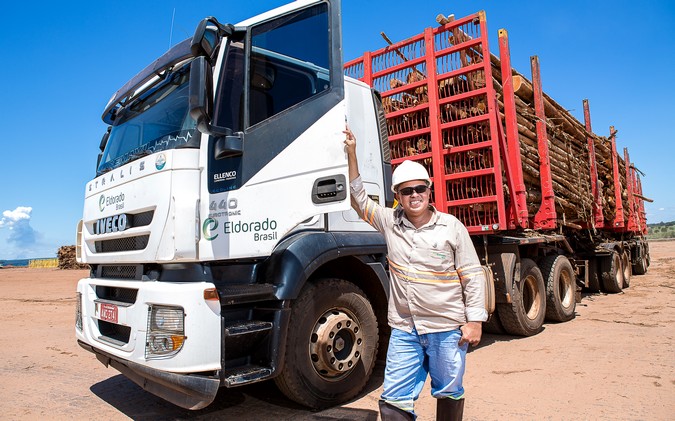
222 244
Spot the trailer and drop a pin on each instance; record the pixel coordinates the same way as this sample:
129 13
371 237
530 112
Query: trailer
551 205
218 226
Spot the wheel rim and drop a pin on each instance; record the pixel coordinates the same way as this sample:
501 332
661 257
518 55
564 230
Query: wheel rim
566 285
336 344
531 297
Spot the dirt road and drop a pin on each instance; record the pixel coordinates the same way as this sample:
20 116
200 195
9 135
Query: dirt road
614 361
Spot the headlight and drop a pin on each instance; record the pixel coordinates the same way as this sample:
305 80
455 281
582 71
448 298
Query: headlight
78 311
166 331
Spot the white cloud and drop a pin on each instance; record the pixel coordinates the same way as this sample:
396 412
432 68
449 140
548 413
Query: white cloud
21 234
662 209
11 218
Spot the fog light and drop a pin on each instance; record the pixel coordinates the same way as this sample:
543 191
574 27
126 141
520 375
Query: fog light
166 331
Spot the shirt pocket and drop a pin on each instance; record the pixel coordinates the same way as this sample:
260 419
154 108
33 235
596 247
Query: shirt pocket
433 259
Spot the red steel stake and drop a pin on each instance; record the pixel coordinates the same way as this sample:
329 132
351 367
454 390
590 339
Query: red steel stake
512 159
545 218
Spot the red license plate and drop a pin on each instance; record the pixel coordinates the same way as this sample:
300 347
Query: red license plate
108 312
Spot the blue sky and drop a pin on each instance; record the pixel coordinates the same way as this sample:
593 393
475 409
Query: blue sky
64 60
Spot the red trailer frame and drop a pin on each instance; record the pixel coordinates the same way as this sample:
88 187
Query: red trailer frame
442 126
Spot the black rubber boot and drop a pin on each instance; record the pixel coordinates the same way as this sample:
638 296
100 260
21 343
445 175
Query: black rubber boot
392 413
448 409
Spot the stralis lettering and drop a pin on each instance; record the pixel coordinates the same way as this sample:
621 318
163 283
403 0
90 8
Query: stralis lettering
111 176
224 176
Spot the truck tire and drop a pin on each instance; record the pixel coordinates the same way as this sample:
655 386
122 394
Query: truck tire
640 267
331 345
626 268
612 274
560 288
524 316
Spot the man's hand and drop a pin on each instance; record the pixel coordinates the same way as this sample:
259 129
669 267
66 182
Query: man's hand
350 141
350 144
471 333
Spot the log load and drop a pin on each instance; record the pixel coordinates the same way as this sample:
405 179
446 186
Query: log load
567 137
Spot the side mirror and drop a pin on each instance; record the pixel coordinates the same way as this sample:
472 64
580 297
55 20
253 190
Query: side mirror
101 146
104 139
201 94
201 107
207 37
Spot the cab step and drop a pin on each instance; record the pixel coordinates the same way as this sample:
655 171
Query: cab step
246 374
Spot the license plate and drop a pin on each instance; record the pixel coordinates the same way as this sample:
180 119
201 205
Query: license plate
108 312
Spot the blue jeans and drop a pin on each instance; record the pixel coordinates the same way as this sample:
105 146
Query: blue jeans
411 357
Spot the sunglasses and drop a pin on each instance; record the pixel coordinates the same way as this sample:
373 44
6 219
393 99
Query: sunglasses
407 191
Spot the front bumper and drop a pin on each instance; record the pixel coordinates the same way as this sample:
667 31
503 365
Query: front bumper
190 391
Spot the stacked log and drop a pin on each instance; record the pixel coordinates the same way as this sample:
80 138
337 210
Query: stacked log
66 257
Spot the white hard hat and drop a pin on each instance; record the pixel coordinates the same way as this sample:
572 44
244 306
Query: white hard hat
408 171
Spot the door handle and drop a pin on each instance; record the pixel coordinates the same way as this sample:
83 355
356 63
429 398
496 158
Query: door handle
329 189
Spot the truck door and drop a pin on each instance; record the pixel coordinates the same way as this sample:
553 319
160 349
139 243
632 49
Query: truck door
279 84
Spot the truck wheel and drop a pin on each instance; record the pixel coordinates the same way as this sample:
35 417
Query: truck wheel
626 268
640 267
524 316
331 345
612 274
560 288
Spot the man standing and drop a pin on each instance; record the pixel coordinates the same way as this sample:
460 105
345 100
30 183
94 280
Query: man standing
436 294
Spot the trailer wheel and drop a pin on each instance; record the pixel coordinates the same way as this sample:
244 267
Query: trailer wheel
560 288
331 345
626 268
524 316
612 273
640 267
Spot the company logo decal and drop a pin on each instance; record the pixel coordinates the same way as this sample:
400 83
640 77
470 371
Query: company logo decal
110 224
224 176
208 226
117 201
160 161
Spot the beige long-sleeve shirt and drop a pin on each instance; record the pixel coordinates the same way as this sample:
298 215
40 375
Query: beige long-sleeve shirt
437 283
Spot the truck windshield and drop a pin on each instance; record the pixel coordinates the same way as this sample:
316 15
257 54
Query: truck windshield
157 120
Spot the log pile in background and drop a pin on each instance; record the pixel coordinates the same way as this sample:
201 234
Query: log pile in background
567 137
66 257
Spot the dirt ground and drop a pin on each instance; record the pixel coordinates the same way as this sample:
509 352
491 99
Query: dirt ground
614 361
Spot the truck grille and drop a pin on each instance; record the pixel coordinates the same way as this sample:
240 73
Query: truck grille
142 219
122 244
123 295
117 333
120 272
